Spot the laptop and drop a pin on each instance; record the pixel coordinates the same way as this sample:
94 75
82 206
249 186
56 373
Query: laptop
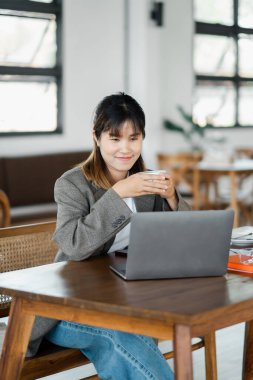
177 245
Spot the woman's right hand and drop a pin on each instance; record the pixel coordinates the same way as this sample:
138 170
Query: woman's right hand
141 184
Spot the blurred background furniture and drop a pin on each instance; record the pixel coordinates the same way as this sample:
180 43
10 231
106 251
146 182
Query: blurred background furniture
24 247
5 216
208 174
214 185
28 182
181 166
243 152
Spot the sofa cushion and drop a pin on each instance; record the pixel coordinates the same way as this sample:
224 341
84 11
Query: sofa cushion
22 214
30 179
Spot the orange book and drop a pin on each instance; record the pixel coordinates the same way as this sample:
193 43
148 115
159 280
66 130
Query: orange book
240 263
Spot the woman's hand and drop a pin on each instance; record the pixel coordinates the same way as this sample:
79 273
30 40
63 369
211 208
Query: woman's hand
170 194
144 183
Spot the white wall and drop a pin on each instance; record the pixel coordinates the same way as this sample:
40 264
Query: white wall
158 69
93 59
145 72
161 74
177 69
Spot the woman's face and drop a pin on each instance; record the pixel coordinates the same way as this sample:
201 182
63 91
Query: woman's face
121 152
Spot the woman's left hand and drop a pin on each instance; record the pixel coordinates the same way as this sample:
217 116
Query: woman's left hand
170 194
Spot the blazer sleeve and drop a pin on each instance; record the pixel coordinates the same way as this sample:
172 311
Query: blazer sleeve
83 225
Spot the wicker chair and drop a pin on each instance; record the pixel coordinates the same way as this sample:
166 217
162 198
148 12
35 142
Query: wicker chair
24 247
5 215
31 245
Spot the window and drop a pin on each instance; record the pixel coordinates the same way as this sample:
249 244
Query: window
30 67
223 63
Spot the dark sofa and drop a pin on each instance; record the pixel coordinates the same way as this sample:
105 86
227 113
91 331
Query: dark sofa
29 182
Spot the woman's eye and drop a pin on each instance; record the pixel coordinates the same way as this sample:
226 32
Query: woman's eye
114 139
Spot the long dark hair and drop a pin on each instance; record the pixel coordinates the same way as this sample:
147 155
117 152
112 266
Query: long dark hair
110 115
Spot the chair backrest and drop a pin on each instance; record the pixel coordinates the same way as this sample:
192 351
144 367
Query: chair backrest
181 166
27 246
24 247
244 152
185 159
5 214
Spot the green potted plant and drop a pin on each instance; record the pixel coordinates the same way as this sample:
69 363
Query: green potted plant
194 134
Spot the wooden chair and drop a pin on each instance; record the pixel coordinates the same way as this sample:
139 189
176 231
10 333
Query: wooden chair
5 214
31 245
224 186
246 207
244 152
181 166
23 247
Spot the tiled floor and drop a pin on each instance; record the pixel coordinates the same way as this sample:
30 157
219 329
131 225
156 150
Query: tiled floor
229 354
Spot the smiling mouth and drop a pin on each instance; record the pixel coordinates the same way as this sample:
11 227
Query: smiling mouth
124 158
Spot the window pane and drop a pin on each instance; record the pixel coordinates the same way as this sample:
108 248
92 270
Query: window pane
214 55
27 41
245 55
245 16
27 106
214 103
245 104
214 11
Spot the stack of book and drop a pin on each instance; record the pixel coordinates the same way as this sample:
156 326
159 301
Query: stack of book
241 252
240 263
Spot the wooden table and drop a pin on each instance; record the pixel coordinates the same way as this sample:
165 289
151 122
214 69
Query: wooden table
208 173
88 292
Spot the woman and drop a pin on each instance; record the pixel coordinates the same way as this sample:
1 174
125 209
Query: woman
95 202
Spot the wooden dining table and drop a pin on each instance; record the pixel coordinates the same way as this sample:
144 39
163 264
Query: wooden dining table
89 292
207 173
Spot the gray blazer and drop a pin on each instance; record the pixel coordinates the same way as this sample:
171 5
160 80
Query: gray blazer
88 219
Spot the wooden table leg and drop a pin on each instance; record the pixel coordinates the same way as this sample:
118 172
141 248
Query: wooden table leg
196 189
233 198
248 352
183 353
210 356
207 193
15 341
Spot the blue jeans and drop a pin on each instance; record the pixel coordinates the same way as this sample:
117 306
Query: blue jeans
116 355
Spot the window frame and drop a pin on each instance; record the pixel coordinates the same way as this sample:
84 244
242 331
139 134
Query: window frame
233 31
55 7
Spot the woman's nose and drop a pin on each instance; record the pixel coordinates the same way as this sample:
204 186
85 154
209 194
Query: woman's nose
125 146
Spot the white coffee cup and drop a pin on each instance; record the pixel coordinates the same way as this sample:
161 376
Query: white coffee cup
155 172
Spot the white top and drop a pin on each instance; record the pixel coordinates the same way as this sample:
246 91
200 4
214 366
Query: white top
122 238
